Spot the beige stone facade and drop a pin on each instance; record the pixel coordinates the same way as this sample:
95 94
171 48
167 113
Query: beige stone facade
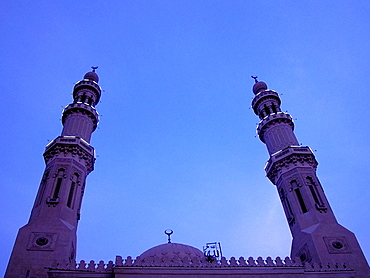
46 245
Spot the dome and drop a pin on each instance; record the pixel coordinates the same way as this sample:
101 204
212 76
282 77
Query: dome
92 76
171 250
259 86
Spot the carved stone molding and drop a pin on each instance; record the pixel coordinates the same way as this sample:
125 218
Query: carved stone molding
72 150
42 241
337 245
83 109
271 120
275 168
304 254
268 94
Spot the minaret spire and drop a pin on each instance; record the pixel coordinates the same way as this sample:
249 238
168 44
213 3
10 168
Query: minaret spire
50 234
317 236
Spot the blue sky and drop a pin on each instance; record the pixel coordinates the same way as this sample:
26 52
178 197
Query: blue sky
176 144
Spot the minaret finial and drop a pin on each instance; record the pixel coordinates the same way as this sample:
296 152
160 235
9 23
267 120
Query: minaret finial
94 68
255 78
168 232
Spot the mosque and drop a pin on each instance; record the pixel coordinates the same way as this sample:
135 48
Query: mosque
46 245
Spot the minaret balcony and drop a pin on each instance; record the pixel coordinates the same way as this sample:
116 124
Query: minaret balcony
84 108
73 140
272 119
263 95
81 105
73 147
288 158
88 84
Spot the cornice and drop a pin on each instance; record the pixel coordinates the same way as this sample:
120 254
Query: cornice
65 146
273 119
291 157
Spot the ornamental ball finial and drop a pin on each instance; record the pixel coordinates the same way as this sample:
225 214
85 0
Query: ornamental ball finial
258 86
91 75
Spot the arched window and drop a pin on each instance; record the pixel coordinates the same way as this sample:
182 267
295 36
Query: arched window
72 189
83 98
54 199
267 110
287 207
273 107
319 204
299 196
58 184
42 188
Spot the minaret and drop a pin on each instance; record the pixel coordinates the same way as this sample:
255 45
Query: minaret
50 234
317 236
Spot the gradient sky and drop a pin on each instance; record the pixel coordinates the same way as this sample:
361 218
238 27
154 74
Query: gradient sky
176 145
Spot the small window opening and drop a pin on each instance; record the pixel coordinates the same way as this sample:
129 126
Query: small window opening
287 207
72 190
300 200
70 196
315 194
273 107
89 101
42 188
83 98
262 114
267 110
57 188
58 183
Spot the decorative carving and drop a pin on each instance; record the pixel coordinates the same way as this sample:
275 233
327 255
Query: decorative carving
267 94
101 267
196 261
251 262
73 265
273 119
186 261
109 266
304 254
233 261
337 245
260 261
74 150
119 261
83 109
288 261
82 265
242 261
42 241
91 265
91 85
52 201
279 262
77 171
321 207
269 261
274 168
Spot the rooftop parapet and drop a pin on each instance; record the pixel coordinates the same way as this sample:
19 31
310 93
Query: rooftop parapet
164 261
